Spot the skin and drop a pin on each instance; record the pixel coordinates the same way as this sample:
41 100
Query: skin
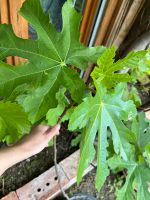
28 146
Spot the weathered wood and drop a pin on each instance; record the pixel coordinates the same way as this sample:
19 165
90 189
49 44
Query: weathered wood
45 187
148 114
118 22
110 9
129 20
84 22
5 19
10 196
88 19
106 21
20 25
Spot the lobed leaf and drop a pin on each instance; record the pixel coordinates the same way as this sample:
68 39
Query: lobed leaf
108 72
49 58
98 114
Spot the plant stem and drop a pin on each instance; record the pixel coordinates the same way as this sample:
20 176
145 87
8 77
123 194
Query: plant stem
55 155
57 170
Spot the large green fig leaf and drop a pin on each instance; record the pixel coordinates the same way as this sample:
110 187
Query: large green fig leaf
48 57
97 114
13 122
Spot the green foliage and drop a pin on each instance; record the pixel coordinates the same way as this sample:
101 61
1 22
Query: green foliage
46 85
142 69
48 59
34 85
76 140
131 93
138 177
13 122
97 114
107 71
54 113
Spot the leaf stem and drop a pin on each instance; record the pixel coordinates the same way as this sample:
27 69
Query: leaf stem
55 155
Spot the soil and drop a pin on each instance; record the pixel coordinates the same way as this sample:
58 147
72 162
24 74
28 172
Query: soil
87 186
27 170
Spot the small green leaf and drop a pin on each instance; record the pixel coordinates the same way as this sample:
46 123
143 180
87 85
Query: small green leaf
13 122
76 140
54 113
132 94
107 71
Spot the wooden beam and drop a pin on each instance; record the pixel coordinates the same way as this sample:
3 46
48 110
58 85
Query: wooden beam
46 187
128 22
5 19
90 11
111 6
20 25
110 9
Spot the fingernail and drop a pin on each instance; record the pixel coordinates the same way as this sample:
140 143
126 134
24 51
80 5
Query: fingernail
58 133
57 127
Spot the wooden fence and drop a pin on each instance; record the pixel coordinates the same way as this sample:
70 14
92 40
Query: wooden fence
9 15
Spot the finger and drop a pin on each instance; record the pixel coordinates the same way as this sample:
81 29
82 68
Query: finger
43 128
51 132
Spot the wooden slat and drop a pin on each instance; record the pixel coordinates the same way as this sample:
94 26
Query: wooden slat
20 25
46 187
4 11
88 19
118 22
4 19
84 22
148 115
129 20
113 20
106 21
102 30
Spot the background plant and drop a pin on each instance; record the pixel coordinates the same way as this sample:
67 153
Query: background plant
47 87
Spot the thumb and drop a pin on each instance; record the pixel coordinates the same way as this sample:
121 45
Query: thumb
51 132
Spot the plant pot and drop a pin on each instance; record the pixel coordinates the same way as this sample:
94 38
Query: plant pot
81 196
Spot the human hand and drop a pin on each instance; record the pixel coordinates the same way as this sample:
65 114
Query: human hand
38 139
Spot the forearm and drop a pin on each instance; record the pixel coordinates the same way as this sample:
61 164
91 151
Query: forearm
30 145
9 156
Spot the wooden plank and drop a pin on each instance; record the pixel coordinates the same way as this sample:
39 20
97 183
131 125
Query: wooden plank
45 187
20 25
4 19
84 22
88 19
102 31
128 22
148 115
4 13
113 20
118 22
106 21
10 196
